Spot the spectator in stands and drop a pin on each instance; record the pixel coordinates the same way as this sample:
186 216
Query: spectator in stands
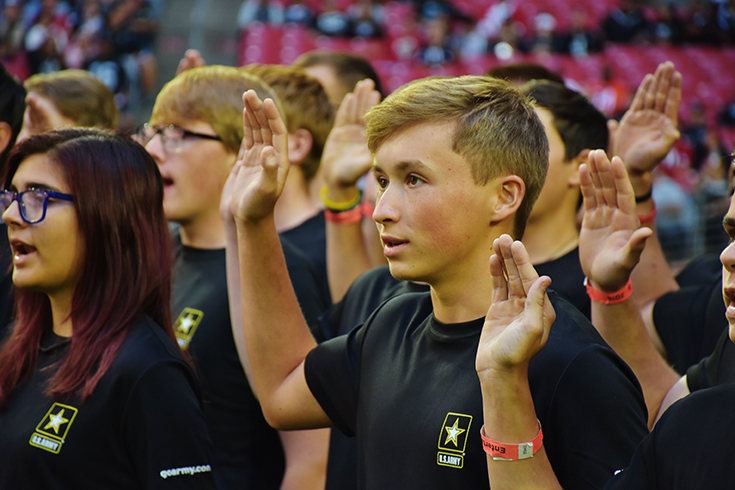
11 31
366 17
331 21
544 39
266 11
667 27
438 47
579 40
47 37
84 45
299 12
69 98
626 23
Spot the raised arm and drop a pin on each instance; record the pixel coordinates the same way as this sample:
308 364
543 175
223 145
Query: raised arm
305 451
345 159
276 336
610 245
516 328
644 137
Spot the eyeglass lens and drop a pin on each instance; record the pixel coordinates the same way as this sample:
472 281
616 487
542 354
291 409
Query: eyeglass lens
31 203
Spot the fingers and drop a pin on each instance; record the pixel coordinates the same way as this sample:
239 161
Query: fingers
500 287
587 186
662 81
625 195
673 100
345 111
639 100
502 246
357 103
605 177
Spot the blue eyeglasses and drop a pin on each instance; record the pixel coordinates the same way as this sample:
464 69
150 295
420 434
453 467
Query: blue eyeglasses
32 203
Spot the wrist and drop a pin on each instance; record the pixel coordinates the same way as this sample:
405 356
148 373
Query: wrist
607 297
336 198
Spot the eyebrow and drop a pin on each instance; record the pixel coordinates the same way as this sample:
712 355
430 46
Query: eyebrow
728 222
404 166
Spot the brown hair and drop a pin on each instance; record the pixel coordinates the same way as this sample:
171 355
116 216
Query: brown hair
306 106
78 95
212 94
348 68
497 129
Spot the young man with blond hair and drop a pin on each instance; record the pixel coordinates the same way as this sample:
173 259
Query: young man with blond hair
458 162
194 135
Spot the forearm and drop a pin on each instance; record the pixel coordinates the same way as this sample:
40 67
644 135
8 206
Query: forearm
234 295
306 453
347 257
276 336
622 327
652 277
509 416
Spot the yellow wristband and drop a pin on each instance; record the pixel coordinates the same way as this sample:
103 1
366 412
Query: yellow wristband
339 206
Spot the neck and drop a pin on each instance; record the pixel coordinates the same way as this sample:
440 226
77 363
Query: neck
463 294
295 204
206 232
549 238
60 313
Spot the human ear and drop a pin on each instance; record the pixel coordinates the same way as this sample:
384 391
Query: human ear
299 145
582 157
510 192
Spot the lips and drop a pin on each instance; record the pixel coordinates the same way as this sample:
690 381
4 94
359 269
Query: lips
392 245
729 296
20 250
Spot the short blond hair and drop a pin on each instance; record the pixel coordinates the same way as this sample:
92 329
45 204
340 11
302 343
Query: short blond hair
497 130
306 106
79 96
212 94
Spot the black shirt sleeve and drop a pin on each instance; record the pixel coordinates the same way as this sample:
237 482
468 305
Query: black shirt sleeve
690 322
166 435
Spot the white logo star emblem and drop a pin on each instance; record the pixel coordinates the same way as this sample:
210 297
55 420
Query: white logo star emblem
55 421
186 324
453 432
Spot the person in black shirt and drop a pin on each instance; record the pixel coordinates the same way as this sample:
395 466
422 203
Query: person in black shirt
94 392
194 135
406 382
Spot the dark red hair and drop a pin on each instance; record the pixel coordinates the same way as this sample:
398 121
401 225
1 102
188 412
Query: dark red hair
126 265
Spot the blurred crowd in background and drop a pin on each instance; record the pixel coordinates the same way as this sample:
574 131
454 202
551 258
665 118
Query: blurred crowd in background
600 48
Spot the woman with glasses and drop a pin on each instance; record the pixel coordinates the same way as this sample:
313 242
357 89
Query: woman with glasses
94 392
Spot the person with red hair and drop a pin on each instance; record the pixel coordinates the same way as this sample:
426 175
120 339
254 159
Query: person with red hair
94 391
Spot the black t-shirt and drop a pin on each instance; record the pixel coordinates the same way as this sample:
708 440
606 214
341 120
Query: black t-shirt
690 321
405 384
363 297
247 451
716 369
689 448
567 279
311 238
142 427
6 279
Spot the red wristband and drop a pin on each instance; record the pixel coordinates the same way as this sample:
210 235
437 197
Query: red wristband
501 451
349 217
368 208
648 218
609 298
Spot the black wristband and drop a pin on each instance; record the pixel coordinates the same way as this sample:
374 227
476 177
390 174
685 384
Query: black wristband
644 197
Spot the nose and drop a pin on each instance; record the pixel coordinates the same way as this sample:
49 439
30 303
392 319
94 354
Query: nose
155 149
12 216
727 257
386 209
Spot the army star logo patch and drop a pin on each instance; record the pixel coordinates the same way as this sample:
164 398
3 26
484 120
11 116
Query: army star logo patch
453 440
186 325
51 432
